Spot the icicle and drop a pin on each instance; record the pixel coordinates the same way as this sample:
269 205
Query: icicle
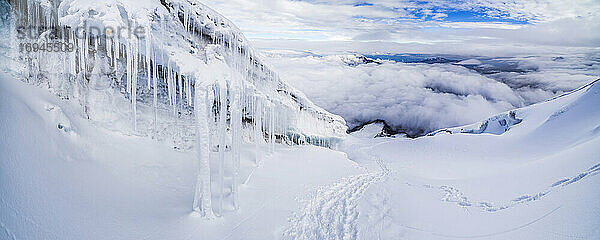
272 127
168 79
174 91
183 89
202 196
155 91
117 49
164 68
236 136
96 43
148 53
86 50
109 53
73 59
258 138
180 86
134 77
128 67
222 131
186 21
80 55
188 91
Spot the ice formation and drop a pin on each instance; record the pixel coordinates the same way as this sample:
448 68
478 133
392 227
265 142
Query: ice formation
190 68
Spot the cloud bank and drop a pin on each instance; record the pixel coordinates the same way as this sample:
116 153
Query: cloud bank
419 98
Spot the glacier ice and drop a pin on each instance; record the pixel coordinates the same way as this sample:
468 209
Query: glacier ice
191 69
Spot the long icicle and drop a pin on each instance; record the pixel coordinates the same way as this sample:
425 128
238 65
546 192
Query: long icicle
155 91
128 65
134 77
180 87
236 136
272 126
258 138
148 54
202 195
222 128
174 90
168 79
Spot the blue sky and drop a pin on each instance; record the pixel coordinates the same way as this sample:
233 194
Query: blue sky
425 11
456 15
411 21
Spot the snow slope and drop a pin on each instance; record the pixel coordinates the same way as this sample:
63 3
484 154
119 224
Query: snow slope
63 177
534 180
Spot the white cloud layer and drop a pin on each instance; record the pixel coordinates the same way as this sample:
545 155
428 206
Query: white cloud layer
420 98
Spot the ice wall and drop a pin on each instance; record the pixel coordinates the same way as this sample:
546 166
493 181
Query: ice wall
190 68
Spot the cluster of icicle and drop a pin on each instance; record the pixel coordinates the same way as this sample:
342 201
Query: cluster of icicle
236 99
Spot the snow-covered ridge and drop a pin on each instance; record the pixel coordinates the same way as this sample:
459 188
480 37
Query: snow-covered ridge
494 125
502 123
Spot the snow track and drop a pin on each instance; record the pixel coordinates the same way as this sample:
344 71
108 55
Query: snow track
451 194
519 227
332 213
454 195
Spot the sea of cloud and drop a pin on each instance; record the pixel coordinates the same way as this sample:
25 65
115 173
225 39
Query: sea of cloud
418 98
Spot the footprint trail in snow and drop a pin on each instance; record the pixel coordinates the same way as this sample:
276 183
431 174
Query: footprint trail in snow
333 212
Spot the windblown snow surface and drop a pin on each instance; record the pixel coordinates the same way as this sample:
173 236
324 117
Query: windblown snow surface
61 177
